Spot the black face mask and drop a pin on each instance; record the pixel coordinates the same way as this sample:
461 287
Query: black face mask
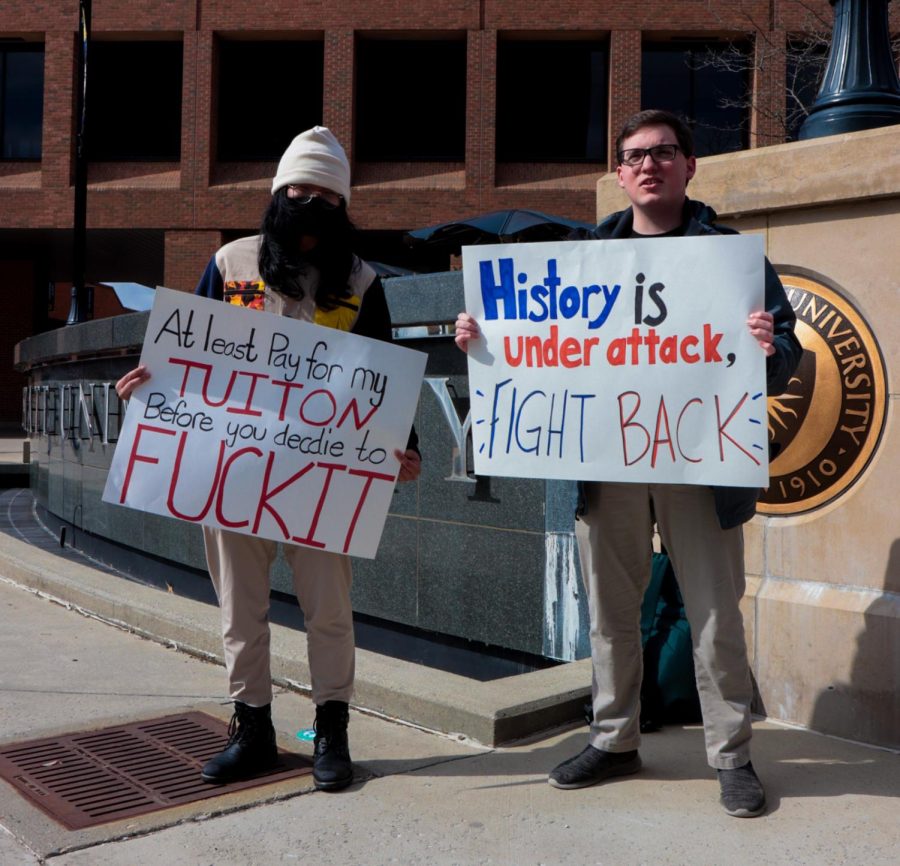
285 222
314 217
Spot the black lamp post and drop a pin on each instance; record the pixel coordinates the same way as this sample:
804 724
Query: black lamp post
860 89
80 308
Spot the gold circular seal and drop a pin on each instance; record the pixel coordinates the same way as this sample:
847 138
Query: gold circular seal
826 426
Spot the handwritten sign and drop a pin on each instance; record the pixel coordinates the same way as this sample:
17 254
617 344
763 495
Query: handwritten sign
265 425
621 360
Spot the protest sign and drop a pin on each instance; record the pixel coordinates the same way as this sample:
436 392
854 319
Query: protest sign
619 360
265 425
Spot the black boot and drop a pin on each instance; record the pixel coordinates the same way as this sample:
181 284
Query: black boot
332 769
250 749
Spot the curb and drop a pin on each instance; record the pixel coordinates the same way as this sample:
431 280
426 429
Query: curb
492 713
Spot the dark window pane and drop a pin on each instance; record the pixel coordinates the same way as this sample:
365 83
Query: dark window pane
23 102
411 100
707 84
134 101
551 101
268 93
803 77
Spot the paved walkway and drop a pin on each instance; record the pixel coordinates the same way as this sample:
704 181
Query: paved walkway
419 797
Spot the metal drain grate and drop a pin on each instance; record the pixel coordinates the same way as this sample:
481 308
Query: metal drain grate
95 777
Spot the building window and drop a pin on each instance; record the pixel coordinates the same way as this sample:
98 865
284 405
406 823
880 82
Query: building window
410 100
551 101
707 83
804 71
134 101
21 101
268 92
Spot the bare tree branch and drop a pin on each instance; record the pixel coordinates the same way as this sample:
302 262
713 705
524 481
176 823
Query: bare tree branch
803 53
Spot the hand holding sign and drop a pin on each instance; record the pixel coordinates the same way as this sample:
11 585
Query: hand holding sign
131 380
762 328
410 465
466 331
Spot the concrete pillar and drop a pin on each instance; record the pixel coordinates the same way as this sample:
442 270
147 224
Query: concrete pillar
481 105
624 82
339 86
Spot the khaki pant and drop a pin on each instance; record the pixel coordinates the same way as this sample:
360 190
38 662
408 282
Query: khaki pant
614 543
239 567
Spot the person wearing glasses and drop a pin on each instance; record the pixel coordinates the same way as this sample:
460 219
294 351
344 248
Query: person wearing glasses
301 265
701 527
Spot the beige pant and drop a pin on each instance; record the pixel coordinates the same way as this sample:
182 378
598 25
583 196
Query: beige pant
614 543
239 567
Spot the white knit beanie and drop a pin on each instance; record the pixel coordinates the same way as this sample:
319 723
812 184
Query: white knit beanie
315 157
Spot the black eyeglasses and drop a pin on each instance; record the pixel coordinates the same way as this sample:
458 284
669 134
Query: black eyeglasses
634 156
304 195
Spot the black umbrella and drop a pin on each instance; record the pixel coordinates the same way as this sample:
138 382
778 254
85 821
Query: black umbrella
501 226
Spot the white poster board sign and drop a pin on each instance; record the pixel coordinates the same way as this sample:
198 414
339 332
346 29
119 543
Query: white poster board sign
265 425
619 360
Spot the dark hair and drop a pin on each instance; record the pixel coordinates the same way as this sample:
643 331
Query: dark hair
657 117
282 265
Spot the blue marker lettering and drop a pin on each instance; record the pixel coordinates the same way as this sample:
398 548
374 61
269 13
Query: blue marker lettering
609 300
491 291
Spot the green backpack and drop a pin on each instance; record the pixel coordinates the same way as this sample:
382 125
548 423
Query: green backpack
669 689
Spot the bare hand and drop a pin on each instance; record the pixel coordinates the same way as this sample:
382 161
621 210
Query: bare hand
466 329
410 465
126 385
762 327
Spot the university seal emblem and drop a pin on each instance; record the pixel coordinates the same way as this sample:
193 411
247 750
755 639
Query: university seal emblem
826 427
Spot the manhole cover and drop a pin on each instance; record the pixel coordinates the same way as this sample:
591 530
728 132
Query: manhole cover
95 777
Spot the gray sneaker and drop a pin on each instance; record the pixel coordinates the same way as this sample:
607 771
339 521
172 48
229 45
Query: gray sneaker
593 765
742 792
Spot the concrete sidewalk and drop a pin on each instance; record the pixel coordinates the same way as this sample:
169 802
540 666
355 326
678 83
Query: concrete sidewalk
420 797
492 712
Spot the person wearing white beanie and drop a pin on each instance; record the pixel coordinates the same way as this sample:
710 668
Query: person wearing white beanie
316 158
301 265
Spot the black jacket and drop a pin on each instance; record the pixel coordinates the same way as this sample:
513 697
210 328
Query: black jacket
734 505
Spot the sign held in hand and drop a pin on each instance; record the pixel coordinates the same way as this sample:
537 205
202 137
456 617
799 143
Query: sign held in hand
265 425
619 360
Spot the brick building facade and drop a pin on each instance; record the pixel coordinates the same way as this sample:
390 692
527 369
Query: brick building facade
157 220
